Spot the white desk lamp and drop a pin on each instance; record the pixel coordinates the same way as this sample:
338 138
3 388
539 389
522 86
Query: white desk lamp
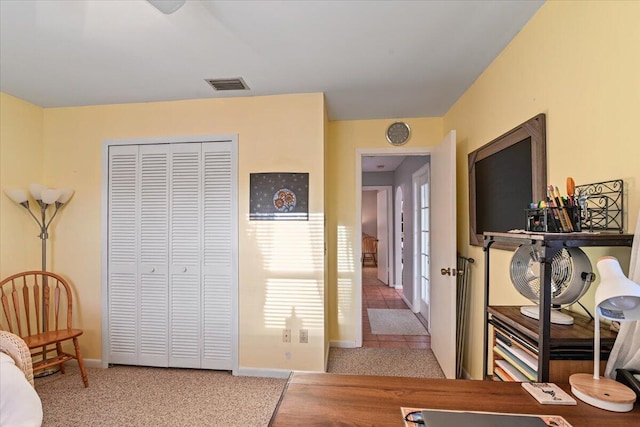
617 298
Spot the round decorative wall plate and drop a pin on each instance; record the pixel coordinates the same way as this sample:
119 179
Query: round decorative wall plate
398 133
284 200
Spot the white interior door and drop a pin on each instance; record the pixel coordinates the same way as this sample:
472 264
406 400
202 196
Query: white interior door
443 254
383 236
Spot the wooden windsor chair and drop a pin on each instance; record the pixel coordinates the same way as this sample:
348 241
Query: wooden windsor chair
369 249
37 306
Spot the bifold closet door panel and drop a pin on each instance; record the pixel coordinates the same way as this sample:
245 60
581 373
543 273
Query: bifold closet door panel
153 277
218 263
122 249
185 243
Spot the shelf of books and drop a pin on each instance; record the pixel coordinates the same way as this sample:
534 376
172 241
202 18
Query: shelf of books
515 347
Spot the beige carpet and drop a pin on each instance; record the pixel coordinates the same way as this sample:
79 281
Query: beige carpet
139 396
386 321
159 397
392 362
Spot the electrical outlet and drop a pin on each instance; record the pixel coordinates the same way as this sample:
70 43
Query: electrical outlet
304 336
286 335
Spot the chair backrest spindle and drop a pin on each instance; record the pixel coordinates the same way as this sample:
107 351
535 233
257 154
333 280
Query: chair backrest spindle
37 305
16 307
27 308
7 311
56 298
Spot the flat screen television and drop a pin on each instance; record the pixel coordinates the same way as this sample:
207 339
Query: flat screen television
505 176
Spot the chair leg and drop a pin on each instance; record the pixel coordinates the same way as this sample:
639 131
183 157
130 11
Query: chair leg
59 352
83 371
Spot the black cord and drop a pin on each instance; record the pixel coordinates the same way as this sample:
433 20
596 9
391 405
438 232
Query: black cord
585 309
414 417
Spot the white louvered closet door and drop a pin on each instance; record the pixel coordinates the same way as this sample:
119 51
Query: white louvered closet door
153 278
218 264
172 253
123 254
185 243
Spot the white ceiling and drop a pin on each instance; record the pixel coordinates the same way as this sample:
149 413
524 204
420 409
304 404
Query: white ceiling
381 163
372 59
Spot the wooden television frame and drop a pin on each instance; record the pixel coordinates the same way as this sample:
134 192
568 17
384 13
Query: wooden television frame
533 129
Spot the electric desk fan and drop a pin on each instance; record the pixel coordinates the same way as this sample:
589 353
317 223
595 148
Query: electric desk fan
571 276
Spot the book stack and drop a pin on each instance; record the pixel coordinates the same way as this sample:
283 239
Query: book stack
518 360
515 354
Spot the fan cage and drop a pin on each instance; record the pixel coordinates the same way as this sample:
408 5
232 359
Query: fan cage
567 267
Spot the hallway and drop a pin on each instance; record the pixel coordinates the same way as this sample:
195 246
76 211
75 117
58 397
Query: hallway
375 294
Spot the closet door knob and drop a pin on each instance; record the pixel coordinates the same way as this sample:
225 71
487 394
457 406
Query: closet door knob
184 270
153 269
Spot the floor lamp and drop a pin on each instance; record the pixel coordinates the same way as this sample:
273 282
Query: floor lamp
617 299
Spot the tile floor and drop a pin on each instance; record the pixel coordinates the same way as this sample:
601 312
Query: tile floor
376 294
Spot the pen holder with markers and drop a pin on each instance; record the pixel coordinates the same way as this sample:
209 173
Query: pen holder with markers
553 219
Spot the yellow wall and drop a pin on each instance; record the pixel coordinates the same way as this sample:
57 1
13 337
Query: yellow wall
344 138
280 263
578 62
20 165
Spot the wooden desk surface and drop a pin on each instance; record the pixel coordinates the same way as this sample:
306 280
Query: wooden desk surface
350 400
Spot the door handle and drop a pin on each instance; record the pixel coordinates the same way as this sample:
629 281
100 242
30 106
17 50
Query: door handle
184 270
153 269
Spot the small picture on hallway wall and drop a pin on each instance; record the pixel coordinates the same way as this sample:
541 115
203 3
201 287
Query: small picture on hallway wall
279 196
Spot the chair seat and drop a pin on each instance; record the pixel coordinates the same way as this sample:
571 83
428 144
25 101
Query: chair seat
51 337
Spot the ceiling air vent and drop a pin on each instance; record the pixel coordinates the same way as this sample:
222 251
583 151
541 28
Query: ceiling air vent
228 84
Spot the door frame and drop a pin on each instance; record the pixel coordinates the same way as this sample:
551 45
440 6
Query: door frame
398 213
357 237
104 226
417 239
388 189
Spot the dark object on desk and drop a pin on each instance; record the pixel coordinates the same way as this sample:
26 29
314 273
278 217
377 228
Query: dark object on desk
627 377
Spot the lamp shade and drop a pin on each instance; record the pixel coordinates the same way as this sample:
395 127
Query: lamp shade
50 195
65 195
167 6
18 195
617 297
36 191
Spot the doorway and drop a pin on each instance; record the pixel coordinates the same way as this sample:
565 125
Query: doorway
442 289
377 222
394 170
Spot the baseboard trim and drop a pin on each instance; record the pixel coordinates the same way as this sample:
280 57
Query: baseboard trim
409 304
262 372
342 344
89 363
465 375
